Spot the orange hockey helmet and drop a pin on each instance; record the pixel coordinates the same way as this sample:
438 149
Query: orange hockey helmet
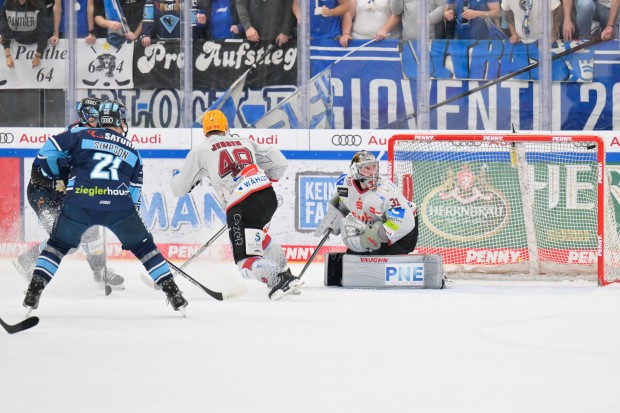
214 120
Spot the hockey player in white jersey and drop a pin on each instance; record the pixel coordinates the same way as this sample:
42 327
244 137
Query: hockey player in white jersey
241 173
380 220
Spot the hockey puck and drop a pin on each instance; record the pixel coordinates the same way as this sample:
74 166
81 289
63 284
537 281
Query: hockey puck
108 290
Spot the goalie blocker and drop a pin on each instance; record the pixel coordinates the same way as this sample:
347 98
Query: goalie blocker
383 271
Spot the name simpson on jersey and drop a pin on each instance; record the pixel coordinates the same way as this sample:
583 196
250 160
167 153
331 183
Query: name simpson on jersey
110 147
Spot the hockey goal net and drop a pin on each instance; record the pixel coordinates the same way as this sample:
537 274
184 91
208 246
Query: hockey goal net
536 206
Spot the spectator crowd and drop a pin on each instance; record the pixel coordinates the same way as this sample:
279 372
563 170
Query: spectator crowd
42 22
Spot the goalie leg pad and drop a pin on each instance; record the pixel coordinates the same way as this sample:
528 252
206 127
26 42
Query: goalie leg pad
392 271
333 269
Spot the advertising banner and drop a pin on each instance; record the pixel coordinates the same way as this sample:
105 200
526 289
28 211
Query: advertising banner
99 66
180 225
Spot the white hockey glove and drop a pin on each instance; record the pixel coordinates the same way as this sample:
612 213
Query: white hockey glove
352 230
372 238
59 185
332 219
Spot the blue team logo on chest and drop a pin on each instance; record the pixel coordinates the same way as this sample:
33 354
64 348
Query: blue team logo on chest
169 21
396 213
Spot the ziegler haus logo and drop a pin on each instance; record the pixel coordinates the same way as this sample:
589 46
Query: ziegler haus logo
465 207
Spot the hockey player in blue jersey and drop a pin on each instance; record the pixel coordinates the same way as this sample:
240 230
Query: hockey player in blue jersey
104 188
47 203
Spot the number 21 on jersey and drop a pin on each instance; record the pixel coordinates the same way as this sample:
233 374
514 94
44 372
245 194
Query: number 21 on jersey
107 167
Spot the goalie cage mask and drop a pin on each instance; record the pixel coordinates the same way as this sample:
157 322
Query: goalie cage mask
365 168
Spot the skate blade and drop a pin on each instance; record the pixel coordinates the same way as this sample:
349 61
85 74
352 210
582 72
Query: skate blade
182 311
279 294
102 285
29 311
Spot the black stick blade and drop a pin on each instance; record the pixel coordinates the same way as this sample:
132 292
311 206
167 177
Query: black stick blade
21 326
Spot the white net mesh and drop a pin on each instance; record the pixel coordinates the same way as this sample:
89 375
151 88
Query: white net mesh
497 206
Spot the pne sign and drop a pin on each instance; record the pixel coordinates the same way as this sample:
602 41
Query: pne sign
404 274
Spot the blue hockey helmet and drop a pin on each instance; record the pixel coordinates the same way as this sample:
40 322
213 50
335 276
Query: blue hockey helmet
87 109
113 113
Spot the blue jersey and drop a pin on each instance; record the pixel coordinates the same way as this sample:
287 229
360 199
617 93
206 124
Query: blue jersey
106 169
473 29
324 27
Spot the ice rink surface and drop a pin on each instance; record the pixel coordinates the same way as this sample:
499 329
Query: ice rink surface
478 347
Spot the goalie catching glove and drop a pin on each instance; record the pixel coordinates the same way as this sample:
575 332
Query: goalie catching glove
359 237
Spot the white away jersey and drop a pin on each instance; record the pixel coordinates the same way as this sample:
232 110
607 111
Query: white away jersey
385 203
220 158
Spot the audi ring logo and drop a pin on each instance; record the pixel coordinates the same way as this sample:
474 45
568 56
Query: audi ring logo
6 137
347 140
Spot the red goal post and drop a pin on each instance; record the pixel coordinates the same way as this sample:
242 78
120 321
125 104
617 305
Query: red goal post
529 205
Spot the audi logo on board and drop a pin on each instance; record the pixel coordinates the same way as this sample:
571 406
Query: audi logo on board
6 137
347 140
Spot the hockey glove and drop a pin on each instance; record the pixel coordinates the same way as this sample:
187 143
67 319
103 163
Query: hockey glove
59 185
352 229
372 238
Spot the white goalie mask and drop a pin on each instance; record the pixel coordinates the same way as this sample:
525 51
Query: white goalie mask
365 168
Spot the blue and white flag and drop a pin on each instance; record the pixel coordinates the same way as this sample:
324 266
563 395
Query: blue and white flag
495 33
228 103
114 12
287 113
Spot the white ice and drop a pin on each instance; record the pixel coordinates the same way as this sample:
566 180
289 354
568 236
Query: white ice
479 347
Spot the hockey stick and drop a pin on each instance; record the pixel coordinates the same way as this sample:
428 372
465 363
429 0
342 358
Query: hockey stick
21 326
507 76
220 296
107 289
314 254
149 281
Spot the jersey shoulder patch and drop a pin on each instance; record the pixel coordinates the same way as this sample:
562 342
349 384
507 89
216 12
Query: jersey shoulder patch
340 181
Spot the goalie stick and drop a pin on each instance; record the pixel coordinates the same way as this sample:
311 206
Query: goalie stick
220 296
314 254
21 326
149 281
344 211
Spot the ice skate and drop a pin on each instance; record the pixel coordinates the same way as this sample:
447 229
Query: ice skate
277 279
287 284
115 281
33 294
446 282
173 294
